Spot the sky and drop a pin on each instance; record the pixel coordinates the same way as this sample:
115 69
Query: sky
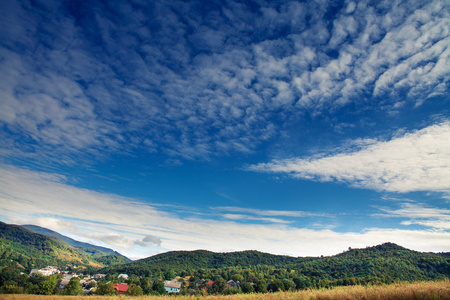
299 128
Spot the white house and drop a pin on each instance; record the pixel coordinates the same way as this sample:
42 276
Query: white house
172 286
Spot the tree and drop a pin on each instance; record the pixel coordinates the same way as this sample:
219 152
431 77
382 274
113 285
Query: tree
261 286
276 285
106 289
45 288
301 283
247 287
169 275
289 284
237 277
73 288
146 285
158 287
134 290
219 285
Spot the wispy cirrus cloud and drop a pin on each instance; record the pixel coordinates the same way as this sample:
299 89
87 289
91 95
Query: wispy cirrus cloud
167 77
272 213
253 218
437 218
416 161
139 229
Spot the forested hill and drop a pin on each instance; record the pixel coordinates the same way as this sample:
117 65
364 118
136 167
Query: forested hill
383 263
23 249
202 259
95 251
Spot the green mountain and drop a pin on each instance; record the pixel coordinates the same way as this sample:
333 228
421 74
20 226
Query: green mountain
202 259
23 249
383 263
95 251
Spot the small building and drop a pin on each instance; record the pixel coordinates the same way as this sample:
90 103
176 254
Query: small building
122 288
98 276
172 286
200 282
124 276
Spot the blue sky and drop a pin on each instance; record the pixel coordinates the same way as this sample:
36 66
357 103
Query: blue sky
299 128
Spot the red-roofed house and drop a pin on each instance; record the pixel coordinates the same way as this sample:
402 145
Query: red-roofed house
121 287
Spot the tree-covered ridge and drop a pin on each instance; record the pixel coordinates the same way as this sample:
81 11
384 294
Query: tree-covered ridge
383 263
23 249
93 250
208 259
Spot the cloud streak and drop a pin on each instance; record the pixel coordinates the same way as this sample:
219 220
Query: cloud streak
140 229
420 215
416 161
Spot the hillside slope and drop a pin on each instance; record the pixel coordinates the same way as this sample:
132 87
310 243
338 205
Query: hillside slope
23 249
95 251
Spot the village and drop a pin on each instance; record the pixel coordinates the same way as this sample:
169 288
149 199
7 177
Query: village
89 283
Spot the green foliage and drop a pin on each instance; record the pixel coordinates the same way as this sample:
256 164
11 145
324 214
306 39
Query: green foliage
22 250
247 287
48 286
134 290
158 288
237 277
146 285
106 289
73 288
261 286
276 285
219 285
183 261
11 288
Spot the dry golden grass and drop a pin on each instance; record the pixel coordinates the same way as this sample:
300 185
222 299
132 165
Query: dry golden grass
406 291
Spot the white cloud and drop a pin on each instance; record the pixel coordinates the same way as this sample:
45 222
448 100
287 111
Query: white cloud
278 213
436 218
138 229
252 218
416 161
208 85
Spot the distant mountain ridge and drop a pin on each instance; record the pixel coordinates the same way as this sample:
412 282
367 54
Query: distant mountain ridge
24 249
384 263
86 247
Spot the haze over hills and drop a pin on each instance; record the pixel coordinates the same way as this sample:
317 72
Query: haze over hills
25 249
94 250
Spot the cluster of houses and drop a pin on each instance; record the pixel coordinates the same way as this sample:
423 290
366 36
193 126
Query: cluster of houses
171 286
47 271
86 281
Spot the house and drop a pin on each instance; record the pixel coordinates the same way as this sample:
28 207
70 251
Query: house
124 276
98 276
121 287
231 283
66 279
200 282
172 286
50 270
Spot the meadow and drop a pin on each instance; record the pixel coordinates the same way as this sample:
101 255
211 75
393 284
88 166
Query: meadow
417 290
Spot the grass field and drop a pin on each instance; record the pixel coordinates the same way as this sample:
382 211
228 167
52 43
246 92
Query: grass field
418 290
